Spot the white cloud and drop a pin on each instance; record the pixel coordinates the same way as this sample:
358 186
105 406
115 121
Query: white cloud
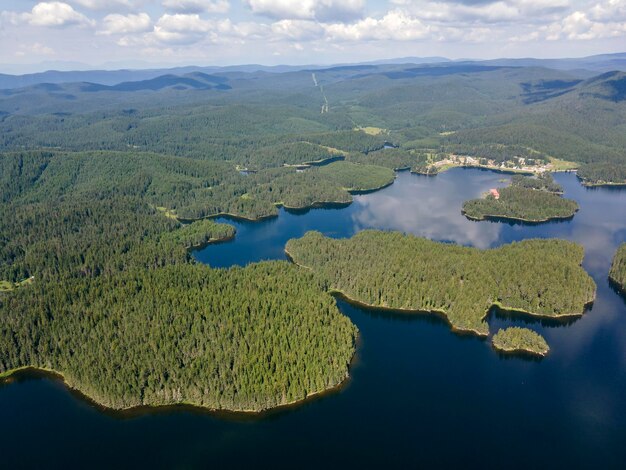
395 25
613 10
399 25
299 30
197 6
181 29
104 4
321 10
185 29
36 49
55 14
332 28
126 24
579 26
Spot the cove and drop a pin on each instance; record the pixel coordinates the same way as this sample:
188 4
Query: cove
418 395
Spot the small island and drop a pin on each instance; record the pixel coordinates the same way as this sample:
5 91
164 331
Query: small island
517 340
404 273
617 275
527 199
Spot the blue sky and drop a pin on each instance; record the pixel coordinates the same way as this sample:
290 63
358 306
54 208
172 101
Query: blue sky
205 32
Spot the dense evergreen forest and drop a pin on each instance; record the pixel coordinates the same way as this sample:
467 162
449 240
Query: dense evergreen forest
116 305
618 268
520 340
190 189
404 272
527 199
239 339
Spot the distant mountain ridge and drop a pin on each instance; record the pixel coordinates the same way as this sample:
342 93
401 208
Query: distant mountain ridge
194 81
593 65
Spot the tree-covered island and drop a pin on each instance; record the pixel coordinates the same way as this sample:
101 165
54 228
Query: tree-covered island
517 340
527 199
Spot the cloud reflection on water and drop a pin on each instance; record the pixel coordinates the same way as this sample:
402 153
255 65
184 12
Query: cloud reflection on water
416 206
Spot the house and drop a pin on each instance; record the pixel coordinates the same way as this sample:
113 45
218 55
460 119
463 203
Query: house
495 193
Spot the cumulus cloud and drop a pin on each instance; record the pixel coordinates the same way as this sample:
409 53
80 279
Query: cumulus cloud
49 14
126 24
395 25
197 6
582 26
184 29
298 30
399 25
612 11
104 4
329 26
181 28
321 10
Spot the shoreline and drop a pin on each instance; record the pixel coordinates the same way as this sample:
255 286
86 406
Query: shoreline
599 184
136 410
499 218
520 351
313 205
587 184
212 241
618 286
357 192
507 171
321 162
543 316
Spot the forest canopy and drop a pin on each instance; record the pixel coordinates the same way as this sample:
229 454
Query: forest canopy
98 285
189 189
403 272
243 339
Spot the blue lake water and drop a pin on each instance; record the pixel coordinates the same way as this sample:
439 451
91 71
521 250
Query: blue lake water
419 395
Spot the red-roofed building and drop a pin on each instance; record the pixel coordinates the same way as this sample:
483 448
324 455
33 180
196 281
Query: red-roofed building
495 193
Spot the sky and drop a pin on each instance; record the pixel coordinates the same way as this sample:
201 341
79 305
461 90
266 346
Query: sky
143 33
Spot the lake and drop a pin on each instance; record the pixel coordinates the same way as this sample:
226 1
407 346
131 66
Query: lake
419 395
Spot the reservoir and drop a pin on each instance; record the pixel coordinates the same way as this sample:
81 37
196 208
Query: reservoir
419 395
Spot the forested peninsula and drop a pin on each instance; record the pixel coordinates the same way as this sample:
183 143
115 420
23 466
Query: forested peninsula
189 189
527 199
242 339
603 174
618 268
395 271
99 286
